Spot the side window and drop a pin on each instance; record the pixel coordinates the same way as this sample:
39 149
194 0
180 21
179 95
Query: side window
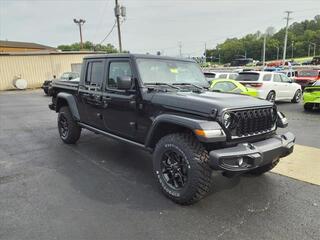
118 69
224 86
267 77
233 76
285 78
223 76
276 78
95 73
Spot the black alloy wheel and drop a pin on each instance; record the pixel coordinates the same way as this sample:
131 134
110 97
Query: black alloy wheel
174 169
63 126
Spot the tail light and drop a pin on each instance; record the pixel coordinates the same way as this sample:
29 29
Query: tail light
254 84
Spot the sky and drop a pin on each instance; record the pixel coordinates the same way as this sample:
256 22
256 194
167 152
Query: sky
150 25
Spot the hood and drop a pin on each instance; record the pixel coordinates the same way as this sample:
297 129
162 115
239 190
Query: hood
207 101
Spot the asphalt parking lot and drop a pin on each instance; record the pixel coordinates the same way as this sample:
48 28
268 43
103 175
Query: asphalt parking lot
103 189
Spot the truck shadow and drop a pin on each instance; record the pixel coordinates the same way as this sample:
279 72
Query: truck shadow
116 173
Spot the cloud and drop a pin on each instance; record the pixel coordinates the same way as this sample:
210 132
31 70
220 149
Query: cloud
150 25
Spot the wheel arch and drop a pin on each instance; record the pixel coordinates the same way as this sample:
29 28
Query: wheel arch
67 99
167 124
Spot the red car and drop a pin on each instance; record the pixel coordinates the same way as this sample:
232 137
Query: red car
307 77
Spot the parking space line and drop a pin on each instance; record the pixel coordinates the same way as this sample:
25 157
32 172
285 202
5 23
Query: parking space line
303 164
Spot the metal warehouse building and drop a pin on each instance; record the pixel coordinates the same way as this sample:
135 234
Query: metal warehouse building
36 67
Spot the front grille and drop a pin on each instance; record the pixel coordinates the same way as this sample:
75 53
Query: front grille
253 122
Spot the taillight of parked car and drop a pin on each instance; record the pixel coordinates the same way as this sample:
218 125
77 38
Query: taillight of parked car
256 84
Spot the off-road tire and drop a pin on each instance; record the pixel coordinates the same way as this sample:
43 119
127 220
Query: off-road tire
295 98
198 182
73 129
266 168
271 96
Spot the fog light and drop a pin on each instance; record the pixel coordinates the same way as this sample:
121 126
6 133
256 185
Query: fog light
240 161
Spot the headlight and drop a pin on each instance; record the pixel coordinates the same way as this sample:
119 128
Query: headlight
227 119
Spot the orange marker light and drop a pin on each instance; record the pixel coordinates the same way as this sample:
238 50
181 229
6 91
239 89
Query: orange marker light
200 132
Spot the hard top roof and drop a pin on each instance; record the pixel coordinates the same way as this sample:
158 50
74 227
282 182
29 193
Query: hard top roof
130 55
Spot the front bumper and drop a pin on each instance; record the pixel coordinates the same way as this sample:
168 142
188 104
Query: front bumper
248 156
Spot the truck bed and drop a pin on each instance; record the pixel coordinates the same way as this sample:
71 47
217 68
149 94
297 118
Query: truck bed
71 85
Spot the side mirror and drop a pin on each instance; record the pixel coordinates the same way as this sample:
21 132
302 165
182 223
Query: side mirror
124 83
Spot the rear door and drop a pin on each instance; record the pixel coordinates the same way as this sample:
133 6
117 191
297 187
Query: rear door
278 86
289 88
90 92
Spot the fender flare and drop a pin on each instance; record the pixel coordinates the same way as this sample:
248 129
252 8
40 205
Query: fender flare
186 122
71 102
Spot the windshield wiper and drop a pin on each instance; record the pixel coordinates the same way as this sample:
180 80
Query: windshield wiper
190 84
162 84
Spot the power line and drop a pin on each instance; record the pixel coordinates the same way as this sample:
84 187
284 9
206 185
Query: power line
101 18
108 34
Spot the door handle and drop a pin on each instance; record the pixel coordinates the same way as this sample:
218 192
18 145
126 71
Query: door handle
105 101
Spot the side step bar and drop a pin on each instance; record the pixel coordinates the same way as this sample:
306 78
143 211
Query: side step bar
96 130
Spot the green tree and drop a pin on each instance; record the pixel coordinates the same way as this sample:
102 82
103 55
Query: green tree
301 34
89 46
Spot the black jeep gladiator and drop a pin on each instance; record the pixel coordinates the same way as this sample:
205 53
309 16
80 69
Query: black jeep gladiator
164 105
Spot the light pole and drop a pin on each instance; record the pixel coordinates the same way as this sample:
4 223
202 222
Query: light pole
314 49
277 52
286 37
80 22
264 50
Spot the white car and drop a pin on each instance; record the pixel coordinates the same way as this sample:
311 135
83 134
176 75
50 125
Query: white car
272 86
221 75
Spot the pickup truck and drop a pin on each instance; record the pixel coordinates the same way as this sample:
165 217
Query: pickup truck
164 106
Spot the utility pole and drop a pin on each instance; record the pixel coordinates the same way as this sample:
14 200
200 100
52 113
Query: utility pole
292 49
119 12
264 50
309 49
80 22
314 49
277 53
205 52
286 37
180 48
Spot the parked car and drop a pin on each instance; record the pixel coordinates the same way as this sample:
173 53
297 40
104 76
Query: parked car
290 73
232 86
315 60
67 76
221 75
308 62
307 77
272 86
162 105
311 96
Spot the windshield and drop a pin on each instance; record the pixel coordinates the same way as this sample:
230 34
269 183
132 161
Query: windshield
170 72
65 76
308 73
248 76
317 83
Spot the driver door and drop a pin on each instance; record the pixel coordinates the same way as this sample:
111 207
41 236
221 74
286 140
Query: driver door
119 115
